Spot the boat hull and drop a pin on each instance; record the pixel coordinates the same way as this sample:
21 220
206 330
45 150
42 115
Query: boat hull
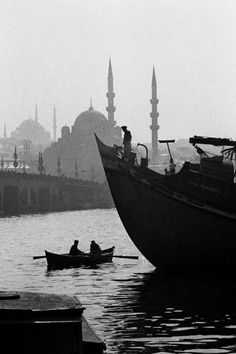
176 234
60 261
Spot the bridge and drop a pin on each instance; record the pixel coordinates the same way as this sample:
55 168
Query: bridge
27 193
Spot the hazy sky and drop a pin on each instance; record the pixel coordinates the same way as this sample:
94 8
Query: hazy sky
56 52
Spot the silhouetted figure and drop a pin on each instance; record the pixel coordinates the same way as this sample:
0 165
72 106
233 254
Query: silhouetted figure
74 251
95 248
126 141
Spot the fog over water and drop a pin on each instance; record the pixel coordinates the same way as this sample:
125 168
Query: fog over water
56 53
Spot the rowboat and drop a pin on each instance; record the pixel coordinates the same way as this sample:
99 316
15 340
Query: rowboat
59 261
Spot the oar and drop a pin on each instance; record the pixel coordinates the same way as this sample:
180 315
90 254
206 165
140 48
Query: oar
116 256
38 257
128 257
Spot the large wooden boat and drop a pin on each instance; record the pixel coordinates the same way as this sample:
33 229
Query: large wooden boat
59 261
181 222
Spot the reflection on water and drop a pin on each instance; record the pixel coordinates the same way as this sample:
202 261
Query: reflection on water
150 314
129 305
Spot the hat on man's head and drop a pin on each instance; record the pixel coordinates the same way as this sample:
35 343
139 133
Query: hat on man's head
124 127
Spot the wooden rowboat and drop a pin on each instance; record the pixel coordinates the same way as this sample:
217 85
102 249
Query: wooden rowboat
59 261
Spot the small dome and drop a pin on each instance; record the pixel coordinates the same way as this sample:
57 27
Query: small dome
65 131
89 118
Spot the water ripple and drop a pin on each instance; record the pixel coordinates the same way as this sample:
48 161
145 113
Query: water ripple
128 304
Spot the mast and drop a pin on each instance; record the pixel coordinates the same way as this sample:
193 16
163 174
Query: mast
212 141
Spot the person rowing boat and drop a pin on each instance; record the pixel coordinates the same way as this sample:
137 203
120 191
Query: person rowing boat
74 251
95 248
59 261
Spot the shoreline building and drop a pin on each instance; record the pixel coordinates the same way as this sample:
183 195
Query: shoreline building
76 149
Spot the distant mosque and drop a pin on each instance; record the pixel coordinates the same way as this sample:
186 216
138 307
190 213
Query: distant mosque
29 138
31 130
75 153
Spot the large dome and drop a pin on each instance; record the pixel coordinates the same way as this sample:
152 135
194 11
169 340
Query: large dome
31 130
90 118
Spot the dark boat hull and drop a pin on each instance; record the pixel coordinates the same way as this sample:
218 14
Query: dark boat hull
175 233
59 261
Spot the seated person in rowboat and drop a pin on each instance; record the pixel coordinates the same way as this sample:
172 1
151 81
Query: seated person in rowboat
74 251
95 248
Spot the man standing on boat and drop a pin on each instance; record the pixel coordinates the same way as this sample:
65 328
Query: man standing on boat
74 251
126 141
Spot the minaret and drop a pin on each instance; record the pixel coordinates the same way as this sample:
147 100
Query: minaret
36 118
5 131
91 105
110 95
54 125
59 166
76 170
154 115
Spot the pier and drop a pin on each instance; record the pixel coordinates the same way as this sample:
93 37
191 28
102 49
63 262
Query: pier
45 324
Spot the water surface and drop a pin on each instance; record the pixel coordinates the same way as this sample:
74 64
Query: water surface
130 306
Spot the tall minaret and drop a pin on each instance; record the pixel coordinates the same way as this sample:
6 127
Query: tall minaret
54 125
154 115
36 118
5 131
110 95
